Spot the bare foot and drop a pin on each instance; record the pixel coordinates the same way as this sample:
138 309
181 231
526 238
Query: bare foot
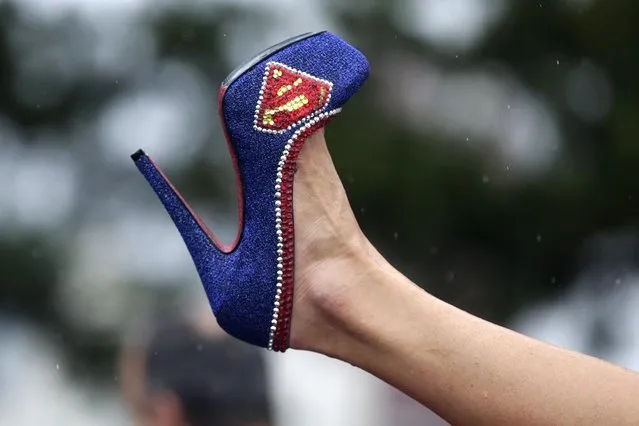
329 247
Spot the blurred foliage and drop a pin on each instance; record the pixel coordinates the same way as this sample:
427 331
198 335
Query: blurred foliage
488 248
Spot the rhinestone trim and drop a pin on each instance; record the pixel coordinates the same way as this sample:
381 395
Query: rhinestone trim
316 113
285 231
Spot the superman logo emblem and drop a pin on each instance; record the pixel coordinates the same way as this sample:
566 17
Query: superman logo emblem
289 97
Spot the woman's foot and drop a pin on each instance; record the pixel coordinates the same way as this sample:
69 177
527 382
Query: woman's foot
269 108
329 248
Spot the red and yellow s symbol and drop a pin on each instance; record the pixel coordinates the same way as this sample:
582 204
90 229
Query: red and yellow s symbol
288 97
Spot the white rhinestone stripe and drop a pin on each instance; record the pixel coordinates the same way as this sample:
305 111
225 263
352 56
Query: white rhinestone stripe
257 127
278 218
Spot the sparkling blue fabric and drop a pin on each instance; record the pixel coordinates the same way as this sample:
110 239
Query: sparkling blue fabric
241 285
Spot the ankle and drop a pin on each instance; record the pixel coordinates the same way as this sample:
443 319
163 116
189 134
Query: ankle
332 298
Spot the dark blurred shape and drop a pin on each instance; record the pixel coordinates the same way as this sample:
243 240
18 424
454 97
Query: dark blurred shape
189 376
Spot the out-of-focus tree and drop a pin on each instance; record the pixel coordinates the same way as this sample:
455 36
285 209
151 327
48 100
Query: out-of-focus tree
447 214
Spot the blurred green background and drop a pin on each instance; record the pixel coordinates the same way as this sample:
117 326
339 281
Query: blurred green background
491 156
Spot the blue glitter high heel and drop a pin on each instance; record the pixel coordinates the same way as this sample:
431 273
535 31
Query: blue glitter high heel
268 107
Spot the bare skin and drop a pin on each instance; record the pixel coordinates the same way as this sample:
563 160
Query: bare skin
351 304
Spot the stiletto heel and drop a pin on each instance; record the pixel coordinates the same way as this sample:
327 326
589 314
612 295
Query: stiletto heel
268 107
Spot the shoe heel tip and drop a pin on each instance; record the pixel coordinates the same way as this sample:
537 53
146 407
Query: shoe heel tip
137 155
